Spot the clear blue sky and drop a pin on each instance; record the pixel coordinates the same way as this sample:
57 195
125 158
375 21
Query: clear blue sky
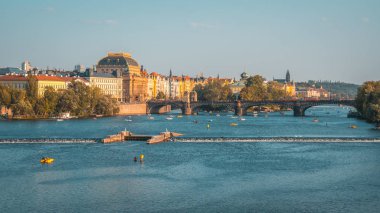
321 40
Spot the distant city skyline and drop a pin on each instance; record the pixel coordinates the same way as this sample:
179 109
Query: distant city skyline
315 40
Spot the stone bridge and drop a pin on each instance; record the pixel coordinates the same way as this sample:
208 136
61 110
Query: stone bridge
240 107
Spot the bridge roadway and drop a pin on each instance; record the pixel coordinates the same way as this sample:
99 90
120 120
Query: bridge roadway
240 107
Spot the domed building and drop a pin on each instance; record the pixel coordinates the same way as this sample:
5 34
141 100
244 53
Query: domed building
134 78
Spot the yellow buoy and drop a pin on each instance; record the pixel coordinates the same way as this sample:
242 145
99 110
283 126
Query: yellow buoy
141 157
47 160
208 126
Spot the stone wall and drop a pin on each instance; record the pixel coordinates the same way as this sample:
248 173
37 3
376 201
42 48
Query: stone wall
132 109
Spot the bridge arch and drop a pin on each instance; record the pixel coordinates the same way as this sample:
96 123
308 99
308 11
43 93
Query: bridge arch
334 104
246 106
195 107
162 107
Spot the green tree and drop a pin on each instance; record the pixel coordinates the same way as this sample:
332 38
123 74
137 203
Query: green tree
82 100
68 102
5 96
96 94
32 89
254 89
213 91
275 91
22 108
161 95
368 101
106 106
51 100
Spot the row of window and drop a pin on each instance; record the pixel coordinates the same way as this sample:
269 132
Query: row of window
113 81
15 85
109 86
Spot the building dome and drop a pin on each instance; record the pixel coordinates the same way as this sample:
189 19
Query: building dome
118 59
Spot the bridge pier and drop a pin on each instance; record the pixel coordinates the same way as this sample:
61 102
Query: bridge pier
186 110
238 109
298 111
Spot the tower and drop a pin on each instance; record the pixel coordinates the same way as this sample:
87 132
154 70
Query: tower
25 66
170 84
287 76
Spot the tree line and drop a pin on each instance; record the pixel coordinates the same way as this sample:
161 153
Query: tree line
255 90
213 91
368 101
79 100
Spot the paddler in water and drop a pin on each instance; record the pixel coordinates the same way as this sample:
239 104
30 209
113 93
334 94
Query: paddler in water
135 159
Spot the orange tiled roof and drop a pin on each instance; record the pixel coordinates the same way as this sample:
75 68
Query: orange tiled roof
57 78
13 78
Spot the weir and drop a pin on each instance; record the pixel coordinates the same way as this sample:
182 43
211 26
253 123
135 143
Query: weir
50 140
276 139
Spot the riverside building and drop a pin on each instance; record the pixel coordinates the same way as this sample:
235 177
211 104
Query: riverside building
288 85
109 83
43 81
134 83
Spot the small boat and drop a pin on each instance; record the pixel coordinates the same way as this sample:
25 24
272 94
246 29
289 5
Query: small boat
233 117
315 120
169 118
46 160
353 126
241 119
233 124
129 120
217 115
150 118
209 120
179 116
59 119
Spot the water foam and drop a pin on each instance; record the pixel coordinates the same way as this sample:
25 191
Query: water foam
276 139
47 140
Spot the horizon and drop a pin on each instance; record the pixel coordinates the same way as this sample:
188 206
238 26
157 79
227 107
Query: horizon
324 40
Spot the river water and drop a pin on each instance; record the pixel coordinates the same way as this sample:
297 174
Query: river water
193 177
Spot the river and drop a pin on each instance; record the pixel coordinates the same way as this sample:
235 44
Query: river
193 177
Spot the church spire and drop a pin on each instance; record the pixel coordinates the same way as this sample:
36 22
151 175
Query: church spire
287 76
